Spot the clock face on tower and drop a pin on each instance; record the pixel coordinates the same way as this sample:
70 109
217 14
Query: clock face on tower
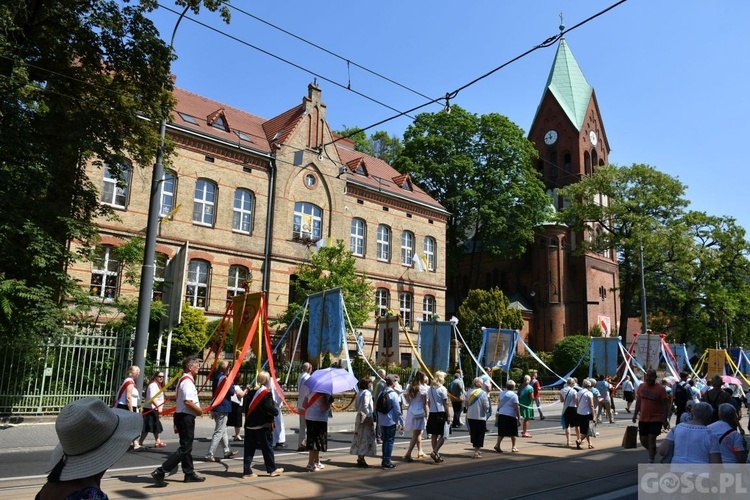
550 137
592 138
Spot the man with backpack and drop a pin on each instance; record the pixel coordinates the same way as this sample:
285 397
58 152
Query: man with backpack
389 413
458 393
682 395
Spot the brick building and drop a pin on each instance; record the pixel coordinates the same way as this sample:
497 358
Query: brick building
559 291
247 199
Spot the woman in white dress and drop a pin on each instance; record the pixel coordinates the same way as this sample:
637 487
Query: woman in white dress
363 442
416 414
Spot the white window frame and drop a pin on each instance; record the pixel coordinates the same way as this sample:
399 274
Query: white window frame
115 191
308 221
429 252
168 192
428 307
407 248
357 237
160 273
196 291
382 301
236 276
384 243
405 306
204 203
105 273
242 214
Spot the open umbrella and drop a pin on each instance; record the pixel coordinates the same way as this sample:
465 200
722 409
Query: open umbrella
331 381
728 379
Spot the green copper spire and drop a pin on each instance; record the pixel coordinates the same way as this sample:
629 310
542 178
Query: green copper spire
568 85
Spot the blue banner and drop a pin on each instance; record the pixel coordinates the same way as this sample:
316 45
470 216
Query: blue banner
498 348
436 344
604 353
327 330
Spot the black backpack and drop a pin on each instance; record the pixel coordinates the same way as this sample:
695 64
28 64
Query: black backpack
681 394
383 404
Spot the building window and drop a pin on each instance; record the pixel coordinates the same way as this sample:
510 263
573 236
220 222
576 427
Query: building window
197 284
407 248
308 221
357 238
310 180
204 202
239 277
384 243
115 185
428 307
382 301
160 272
429 252
168 191
242 217
405 302
105 273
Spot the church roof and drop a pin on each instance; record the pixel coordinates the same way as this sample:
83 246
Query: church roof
568 85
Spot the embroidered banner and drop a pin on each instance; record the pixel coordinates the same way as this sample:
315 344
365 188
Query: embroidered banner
436 343
327 327
648 350
499 347
604 351
245 308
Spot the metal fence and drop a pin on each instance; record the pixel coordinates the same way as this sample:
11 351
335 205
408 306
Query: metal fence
41 377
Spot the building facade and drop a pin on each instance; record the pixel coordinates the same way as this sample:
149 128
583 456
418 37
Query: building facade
245 200
559 290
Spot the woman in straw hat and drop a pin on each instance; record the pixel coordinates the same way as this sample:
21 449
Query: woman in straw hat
92 437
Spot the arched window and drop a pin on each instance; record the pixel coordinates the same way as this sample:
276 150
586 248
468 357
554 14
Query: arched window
586 163
238 277
105 273
407 248
405 303
428 307
382 301
168 193
196 293
384 243
204 202
308 221
160 273
566 163
357 237
553 164
242 216
429 253
594 160
116 184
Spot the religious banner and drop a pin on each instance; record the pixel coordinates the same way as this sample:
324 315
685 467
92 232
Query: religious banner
435 338
498 348
389 340
715 362
245 307
680 354
327 330
604 353
605 324
648 350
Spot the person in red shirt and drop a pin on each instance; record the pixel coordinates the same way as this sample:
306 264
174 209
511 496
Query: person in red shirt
651 404
537 399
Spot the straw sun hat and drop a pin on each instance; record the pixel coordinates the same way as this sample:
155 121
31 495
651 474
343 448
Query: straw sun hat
92 437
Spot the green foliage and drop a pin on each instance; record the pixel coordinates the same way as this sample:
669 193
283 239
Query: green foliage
566 354
326 360
480 168
485 308
189 337
380 144
332 267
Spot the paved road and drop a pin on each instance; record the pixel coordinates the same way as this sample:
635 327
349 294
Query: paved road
543 467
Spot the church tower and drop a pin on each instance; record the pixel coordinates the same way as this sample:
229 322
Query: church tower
570 292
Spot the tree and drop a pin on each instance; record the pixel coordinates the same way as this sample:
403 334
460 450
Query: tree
485 308
641 207
331 267
566 354
480 168
80 82
189 337
380 144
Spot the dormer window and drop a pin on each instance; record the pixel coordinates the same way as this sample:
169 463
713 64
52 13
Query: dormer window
407 185
218 120
219 123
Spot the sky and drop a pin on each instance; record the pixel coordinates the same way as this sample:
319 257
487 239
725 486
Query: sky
670 76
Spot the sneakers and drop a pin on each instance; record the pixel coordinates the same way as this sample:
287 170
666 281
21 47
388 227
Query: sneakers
230 454
389 465
320 466
248 476
158 476
210 458
311 467
194 478
277 472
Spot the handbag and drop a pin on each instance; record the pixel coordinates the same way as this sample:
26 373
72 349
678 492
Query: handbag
630 438
447 429
419 414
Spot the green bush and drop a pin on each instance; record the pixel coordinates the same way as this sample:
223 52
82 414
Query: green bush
566 354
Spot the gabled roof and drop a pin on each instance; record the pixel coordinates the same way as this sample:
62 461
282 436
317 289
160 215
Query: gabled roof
278 129
567 83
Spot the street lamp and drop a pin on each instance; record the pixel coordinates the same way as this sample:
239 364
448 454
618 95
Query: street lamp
548 285
152 226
